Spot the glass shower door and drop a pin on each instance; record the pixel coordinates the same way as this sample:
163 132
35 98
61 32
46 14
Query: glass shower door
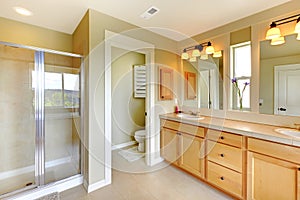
62 117
17 119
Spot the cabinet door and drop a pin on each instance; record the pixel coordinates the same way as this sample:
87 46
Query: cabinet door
271 178
165 83
192 154
169 145
190 85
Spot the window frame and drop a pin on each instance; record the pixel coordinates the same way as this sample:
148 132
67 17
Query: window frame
233 95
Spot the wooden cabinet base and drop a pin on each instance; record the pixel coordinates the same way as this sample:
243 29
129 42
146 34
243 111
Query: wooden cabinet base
225 179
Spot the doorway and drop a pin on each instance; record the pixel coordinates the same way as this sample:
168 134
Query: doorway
286 97
133 45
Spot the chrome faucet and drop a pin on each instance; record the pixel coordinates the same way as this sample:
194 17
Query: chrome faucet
193 113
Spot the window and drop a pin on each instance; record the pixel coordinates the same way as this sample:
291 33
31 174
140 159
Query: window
61 89
241 71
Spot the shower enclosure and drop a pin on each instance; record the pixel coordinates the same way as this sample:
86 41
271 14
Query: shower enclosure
40 117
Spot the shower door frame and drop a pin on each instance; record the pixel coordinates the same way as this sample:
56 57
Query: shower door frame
39 67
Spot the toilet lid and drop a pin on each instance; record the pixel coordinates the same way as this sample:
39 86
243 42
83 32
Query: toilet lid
140 133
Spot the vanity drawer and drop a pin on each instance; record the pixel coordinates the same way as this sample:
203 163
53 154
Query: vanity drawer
170 124
225 155
185 128
225 179
225 138
273 149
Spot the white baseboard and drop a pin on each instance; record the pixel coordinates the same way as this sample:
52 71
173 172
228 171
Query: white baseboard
126 144
96 186
51 188
156 161
24 170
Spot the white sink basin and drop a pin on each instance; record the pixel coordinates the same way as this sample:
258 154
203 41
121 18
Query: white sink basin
187 116
288 131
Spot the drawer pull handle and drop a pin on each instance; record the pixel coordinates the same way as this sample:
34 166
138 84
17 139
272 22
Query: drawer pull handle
222 155
299 169
222 137
222 178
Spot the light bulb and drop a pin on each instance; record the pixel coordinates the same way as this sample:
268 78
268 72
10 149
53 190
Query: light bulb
195 53
273 32
297 27
184 56
277 41
217 54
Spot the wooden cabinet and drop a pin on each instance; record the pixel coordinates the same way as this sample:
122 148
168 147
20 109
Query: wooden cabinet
190 85
166 83
272 173
192 154
225 158
182 145
244 167
169 145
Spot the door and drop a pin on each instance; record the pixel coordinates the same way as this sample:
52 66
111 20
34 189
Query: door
62 117
192 154
169 145
271 178
17 119
286 95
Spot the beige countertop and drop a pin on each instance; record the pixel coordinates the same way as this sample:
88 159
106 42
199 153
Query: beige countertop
255 130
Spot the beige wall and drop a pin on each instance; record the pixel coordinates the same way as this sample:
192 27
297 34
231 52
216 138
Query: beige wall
98 23
128 113
21 33
81 44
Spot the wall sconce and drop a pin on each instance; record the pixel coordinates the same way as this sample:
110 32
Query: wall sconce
197 51
274 34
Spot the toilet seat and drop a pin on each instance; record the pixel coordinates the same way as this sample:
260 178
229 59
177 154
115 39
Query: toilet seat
140 133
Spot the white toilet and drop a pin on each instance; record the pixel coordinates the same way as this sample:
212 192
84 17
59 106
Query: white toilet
140 136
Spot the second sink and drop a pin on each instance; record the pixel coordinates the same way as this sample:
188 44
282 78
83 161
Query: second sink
288 131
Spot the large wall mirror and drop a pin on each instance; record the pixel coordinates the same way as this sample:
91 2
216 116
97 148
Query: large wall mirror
209 83
280 77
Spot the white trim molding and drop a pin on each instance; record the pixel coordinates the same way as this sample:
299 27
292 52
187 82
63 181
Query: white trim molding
123 145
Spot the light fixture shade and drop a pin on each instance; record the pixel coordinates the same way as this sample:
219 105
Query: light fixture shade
184 56
297 27
298 36
196 53
210 50
273 33
193 59
217 54
204 57
277 41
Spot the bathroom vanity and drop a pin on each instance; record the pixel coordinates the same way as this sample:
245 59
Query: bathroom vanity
244 160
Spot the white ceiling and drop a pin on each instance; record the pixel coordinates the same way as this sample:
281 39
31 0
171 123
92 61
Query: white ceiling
177 19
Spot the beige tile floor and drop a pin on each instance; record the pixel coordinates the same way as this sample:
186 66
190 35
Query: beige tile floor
163 183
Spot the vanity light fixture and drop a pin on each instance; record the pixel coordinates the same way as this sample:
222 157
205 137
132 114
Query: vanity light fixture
204 57
274 34
197 50
217 54
209 49
278 40
193 59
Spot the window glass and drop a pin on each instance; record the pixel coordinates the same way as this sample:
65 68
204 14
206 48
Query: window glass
241 73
